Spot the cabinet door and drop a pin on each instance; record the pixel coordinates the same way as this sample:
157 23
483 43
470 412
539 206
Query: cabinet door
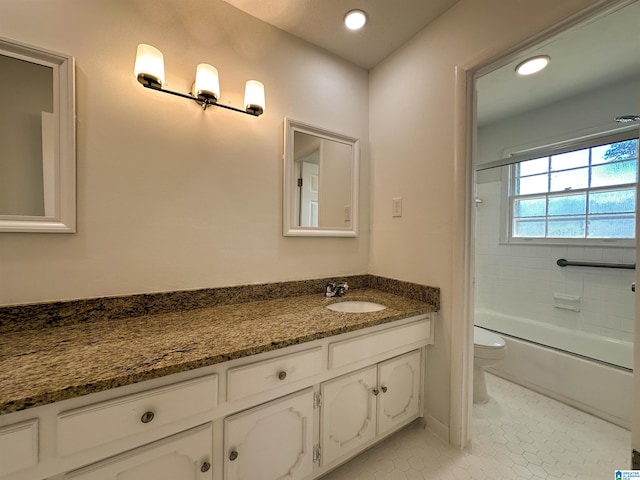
186 456
348 413
18 446
399 384
272 441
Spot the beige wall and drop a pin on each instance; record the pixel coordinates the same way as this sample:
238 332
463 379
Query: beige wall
412 131
170 197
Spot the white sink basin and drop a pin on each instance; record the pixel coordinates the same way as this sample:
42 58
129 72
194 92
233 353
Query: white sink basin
356 307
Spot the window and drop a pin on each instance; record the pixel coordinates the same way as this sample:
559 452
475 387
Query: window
586 194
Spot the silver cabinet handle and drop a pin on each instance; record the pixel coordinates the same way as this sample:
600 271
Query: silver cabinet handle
147 417
376 392
282 375
205 467
384 389
233 455
633 287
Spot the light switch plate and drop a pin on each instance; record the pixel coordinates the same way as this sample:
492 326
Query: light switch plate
347 213
396 207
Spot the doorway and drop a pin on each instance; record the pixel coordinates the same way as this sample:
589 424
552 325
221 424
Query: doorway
577 114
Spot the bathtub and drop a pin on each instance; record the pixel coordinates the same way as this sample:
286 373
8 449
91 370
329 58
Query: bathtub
597 385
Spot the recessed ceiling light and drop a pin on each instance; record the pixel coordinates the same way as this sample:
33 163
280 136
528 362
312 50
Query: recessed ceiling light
355 19
628 118
533 65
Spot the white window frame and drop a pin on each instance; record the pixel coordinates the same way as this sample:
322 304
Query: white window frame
508 184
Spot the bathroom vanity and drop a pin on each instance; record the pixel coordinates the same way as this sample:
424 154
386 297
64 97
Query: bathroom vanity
282 388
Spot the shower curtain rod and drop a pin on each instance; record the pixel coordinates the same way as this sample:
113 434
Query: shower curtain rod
568 263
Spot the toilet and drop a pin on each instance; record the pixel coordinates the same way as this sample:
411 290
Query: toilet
488 350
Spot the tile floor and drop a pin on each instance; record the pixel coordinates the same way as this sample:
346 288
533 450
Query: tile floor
517 435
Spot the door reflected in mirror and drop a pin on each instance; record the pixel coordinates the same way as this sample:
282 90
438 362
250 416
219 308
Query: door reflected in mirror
323 170
321 182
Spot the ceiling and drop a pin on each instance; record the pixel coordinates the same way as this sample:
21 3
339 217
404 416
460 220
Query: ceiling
320 22
599 52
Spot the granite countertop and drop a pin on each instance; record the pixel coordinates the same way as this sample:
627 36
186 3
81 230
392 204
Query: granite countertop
42 365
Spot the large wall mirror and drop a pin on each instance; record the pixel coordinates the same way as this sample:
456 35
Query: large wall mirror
37 134
320 182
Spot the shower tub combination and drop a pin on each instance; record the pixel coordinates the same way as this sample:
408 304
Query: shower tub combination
597 378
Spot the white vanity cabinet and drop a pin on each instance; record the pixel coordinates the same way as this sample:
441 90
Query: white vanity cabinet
292 413
272 441
185 456
370 402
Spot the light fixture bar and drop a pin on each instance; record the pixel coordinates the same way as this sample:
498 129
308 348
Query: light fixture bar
204 103
149 71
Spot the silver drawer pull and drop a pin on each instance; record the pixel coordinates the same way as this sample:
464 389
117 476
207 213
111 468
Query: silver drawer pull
233 455
147 417
282 375
205 467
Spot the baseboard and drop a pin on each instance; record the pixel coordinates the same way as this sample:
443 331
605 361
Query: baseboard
439 429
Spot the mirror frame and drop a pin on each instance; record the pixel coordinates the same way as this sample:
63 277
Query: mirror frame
290 227
62 218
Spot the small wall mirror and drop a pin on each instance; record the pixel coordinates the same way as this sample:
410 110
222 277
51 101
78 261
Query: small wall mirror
320 182
37 134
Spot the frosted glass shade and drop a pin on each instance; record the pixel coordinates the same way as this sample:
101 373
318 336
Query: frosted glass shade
254 97
207 82
149 65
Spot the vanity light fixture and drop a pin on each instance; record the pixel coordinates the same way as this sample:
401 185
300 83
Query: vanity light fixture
355 19
533 65
149 70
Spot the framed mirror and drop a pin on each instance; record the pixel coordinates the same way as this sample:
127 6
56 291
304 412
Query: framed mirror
37 134
321 176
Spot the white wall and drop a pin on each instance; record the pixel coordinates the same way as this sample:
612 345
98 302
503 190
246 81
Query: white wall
413 147
171 197
568 119
335 183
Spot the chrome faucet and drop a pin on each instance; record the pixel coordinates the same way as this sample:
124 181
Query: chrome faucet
336 289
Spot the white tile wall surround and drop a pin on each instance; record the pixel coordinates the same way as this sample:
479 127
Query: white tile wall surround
521 280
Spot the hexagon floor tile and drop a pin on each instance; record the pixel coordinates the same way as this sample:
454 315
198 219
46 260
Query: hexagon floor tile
518 435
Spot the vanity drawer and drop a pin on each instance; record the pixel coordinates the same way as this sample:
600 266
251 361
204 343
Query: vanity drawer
262 376
356 349
18 446
105 422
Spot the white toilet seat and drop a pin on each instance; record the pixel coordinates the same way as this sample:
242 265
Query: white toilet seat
485 339
487 345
